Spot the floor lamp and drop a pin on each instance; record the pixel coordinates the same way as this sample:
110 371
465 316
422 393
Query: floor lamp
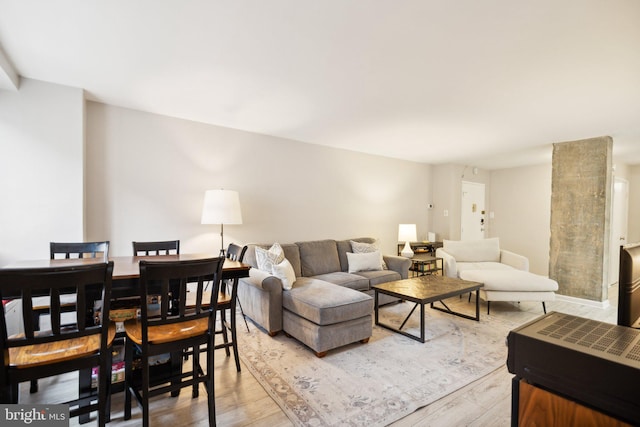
221 207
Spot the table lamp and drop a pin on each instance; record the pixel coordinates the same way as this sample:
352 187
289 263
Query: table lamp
221 207
407 233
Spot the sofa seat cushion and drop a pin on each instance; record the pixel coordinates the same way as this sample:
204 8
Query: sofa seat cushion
348 280
462 266
381 276
324 303
510 280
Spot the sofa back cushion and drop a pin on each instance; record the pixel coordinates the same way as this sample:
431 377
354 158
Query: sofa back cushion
473 250
344 246
318 257
291 253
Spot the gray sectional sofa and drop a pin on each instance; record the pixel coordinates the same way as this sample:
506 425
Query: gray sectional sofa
327 306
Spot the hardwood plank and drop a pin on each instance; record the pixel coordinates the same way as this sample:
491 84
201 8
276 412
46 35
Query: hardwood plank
241 400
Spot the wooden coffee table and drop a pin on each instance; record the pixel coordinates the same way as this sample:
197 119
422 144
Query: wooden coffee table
422 290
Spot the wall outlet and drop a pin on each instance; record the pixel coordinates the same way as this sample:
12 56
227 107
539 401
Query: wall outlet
446 212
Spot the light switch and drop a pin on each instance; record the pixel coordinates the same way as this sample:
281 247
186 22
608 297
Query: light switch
446 212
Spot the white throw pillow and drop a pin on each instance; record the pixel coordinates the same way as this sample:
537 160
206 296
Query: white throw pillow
369 261
266 259
284 272
363 248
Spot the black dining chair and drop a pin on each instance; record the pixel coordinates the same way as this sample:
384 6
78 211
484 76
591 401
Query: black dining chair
79 250
166 247
227 302
63 250
168 331
34 354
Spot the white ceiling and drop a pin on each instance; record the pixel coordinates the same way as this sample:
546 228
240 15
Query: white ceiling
489 83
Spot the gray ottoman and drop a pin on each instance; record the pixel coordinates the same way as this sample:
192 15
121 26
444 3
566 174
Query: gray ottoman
325 316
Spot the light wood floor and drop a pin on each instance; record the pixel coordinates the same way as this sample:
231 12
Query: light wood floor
241 401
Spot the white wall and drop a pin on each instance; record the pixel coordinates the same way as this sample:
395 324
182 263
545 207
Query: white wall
521 202
147 174
41 168
447 190
633 231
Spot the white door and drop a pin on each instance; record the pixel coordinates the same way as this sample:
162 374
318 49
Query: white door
619 214
472 216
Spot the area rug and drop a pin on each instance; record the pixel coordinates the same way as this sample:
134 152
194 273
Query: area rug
377 383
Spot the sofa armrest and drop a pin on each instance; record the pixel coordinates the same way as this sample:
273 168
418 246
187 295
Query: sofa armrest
263 280
260 295
398 264
448 263
519 262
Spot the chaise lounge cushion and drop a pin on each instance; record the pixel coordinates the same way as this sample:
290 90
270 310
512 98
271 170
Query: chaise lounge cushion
510 280
324 303
464 266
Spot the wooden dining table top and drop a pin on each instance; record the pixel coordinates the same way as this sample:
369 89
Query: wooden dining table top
128 267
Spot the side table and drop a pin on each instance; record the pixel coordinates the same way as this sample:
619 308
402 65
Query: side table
425 265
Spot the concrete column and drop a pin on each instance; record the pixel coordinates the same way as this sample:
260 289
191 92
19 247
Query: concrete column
580 212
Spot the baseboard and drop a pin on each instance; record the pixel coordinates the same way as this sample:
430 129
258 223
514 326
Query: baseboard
582 301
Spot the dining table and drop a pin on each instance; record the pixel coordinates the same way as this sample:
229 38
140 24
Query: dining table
126 269
125 283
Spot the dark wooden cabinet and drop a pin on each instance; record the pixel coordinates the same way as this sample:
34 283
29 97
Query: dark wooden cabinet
574 371
539 407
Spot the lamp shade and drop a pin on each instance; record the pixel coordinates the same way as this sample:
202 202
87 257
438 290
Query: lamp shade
407 233
221 207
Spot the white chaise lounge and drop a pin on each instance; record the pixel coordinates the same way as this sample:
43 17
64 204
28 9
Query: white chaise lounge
505 274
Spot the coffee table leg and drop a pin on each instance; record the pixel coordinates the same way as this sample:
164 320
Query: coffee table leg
421 322
375 305
478 304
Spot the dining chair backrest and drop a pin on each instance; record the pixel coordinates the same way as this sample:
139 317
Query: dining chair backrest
173 328
236 252
79 250
166 247
89 282
167 281
80 346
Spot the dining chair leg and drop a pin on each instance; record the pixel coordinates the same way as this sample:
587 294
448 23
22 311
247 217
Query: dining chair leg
36 322
195 370
103 393
128 376
234 337
176 369
145 392
223 325
211 401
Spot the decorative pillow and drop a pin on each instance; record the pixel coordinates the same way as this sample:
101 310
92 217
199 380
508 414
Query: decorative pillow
266 259
284 272
369 261
363 248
